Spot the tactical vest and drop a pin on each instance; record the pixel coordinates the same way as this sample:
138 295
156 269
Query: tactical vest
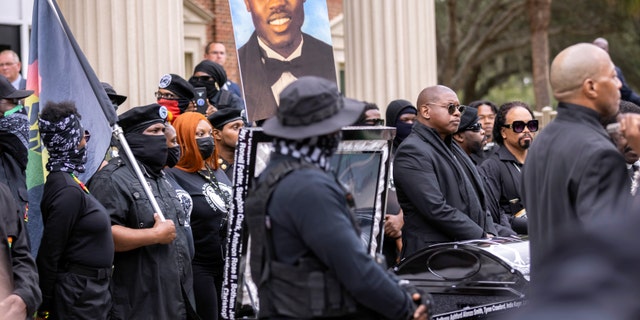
299 291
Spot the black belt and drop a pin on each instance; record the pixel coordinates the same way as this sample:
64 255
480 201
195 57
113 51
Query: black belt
91 272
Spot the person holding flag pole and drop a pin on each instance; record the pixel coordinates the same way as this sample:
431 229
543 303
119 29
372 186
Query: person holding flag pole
146 281
53 52
152 275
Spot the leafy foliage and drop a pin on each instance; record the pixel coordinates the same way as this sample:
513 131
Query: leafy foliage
484 47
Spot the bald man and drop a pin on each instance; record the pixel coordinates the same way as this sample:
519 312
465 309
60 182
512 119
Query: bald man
626 93
438 187
574 173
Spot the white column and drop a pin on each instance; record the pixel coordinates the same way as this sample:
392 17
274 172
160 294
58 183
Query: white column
390 49
130 44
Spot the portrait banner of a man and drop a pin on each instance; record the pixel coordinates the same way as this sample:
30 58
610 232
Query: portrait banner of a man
279 42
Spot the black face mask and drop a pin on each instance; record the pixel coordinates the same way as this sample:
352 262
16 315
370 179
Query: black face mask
209 85
12 145
150 150
205 145
183 104
173 156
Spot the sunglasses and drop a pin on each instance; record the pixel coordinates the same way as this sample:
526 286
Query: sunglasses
476 127
451 108
518 126
87 136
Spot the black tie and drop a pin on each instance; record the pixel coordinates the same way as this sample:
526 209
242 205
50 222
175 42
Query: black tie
275 68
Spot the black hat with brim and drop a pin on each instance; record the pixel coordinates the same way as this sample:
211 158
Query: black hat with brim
118 99
7 91
312 106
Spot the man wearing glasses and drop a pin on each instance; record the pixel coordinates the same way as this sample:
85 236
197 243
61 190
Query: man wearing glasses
10 68
471 136
438 187
175 94
513 132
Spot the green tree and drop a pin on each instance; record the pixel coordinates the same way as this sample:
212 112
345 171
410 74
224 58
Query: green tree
484 46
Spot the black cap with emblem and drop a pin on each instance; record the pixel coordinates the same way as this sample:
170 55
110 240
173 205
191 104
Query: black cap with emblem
139 118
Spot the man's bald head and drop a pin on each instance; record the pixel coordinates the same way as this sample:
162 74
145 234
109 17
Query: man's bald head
602 43
583 74
433 109
432 94
573 65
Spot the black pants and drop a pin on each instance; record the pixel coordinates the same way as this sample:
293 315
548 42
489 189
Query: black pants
81 297
207 285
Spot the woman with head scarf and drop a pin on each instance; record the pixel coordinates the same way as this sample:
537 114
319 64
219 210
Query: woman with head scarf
198 174
76 252
212 76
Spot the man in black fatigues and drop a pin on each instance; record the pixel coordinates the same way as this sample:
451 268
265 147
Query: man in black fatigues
306 255
19 291
152 273
14 142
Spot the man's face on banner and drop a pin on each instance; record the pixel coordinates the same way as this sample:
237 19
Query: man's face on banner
278 22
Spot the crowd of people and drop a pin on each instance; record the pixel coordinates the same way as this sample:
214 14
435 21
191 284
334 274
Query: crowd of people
144 238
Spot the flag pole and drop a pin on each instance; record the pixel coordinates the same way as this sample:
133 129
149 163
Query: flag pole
117 131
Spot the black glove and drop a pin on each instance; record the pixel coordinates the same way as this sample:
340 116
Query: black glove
425 298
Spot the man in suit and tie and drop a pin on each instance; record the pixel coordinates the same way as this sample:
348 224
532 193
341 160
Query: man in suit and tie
10 68
278 53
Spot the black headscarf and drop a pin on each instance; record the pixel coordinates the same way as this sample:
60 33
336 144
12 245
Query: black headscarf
213 69
61 139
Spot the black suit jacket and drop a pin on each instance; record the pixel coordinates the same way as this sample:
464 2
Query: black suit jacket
317 58
437 196
573 175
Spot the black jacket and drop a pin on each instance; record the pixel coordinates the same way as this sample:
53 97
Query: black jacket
310 217
22 265
573 175
502 172
317 58
146 282
439 201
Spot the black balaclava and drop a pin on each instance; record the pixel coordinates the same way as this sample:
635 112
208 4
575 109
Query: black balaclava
395 109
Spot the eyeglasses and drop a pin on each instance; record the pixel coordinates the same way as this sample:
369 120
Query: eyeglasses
476 127
374 122
87 136
451 108
168 96
518 126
